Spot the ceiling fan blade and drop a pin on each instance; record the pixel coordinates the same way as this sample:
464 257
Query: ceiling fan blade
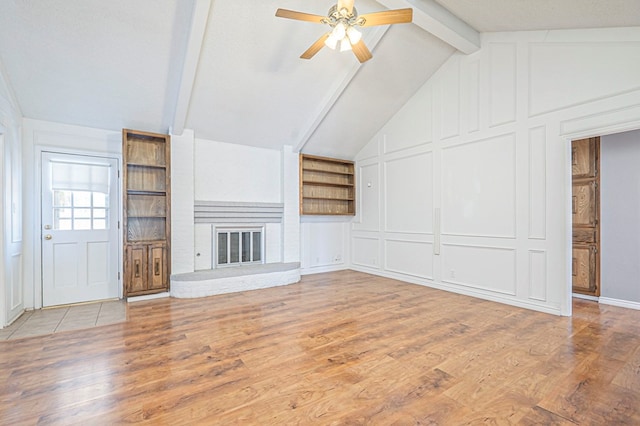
300 16
315 47
397 16
345 4
361 51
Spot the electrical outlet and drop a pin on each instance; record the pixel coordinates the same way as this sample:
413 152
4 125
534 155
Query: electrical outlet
452 273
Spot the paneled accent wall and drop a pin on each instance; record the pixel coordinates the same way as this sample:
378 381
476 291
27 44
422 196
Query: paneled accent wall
467 188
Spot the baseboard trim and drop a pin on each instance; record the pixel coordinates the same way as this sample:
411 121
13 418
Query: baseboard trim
147 297
585 297
620 303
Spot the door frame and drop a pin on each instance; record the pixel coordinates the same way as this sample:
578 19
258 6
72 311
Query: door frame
600 128
38 291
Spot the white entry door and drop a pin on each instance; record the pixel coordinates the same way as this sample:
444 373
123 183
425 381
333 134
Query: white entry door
79 228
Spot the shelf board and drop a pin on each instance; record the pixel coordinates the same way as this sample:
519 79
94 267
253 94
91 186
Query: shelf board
155 166
313 182
145 192
304 169
327 198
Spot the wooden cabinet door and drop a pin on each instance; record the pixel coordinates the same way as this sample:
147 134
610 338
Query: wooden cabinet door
585 200
135 269
583 155
584 268
583 204
157 266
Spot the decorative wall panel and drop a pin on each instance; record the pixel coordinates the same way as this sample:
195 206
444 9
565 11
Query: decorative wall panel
409 194
450 100
409 257
537 183
471 109
478 188
563 74
502 91
369 196
486 268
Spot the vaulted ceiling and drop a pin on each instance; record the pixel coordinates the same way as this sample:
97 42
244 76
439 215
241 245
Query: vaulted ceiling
230 70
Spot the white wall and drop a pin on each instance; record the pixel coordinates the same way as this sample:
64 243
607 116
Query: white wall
620 216
467 188
324 243
11 248
182 202
42 135
231 172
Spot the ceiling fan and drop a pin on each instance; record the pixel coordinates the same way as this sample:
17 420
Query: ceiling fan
343 19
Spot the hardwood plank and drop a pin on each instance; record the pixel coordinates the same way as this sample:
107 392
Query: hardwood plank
336 348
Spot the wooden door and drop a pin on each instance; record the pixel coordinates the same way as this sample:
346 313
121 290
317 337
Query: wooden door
585 202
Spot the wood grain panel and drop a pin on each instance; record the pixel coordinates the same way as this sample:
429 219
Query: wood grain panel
584 235
583 267
145 150
583 206
157 266
340 348
582 158
135 268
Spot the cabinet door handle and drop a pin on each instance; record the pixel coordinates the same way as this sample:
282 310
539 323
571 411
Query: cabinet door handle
136 268
156 266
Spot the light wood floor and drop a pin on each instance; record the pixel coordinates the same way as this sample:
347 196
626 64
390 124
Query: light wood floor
338 348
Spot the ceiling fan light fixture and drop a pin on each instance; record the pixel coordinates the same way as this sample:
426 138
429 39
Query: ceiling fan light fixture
331 42
345 45
354 35
339 31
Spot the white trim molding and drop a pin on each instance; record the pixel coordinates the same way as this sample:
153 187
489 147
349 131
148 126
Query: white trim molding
620 303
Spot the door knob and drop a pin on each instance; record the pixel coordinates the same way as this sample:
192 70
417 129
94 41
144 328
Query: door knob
48 237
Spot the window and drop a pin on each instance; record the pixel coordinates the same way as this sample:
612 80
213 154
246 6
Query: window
80 196
238 246
80 210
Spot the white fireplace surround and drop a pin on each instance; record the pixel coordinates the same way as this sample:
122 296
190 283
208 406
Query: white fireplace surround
207 280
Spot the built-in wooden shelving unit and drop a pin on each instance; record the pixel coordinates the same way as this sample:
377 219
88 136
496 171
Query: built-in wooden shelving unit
147 212
327 186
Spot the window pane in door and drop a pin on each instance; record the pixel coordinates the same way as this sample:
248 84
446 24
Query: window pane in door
235 247
63 225
82 213
81 224
99 199
62 198
222 248
81 199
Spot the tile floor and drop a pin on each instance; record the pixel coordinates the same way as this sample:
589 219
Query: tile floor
54 320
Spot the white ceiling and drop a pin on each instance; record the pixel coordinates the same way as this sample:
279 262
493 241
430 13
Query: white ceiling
230 70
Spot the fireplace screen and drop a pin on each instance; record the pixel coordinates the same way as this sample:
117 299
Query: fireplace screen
238 246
